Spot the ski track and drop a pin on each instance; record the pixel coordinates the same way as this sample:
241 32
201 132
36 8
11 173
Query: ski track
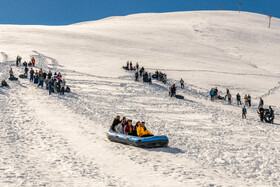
38 149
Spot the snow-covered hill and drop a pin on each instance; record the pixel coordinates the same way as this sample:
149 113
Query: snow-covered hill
61 140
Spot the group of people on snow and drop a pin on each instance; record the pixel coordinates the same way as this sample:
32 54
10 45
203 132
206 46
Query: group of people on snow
147 77
31 63
214 96
52 82
268 113
125 127
129 66
160 76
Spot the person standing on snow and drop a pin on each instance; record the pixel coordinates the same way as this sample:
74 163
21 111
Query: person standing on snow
216 91
136 76
261 112
17 61
33 61
41 72
51 86
244 112
261 103
26 71
227 92
11 72
249 100
62 89
238 99
150 78
45 75
229 98
41 81
212 93
55 76
173 90
49 75
182 84
246 99
47 83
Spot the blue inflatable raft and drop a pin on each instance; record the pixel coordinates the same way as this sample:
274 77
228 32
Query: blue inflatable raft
144 142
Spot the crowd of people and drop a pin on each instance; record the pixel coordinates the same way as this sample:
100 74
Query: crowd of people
268 113
52 82
125 127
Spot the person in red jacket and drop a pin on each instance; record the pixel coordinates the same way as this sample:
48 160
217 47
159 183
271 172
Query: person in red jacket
128 130
33 61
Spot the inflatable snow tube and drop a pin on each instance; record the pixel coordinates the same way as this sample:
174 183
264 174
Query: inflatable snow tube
12 78
22 76
267 116
179 96
143 142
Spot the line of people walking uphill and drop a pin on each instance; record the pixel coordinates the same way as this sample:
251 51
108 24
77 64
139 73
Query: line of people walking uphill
52 82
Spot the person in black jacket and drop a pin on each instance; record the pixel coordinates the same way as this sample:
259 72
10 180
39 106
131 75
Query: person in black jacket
45 75
115 123
136 76
249 100
238 99
261 112
49 75
173 90
26 71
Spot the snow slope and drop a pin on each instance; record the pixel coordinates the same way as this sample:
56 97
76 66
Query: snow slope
61 140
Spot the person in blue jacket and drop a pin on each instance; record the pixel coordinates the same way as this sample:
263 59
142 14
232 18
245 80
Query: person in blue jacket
244 112
31 75
212 94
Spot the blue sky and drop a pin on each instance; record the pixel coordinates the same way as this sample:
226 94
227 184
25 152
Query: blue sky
64 12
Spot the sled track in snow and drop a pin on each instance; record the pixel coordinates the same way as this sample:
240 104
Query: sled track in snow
25 138
271 91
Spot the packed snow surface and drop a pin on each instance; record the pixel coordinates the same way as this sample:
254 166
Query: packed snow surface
53 140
